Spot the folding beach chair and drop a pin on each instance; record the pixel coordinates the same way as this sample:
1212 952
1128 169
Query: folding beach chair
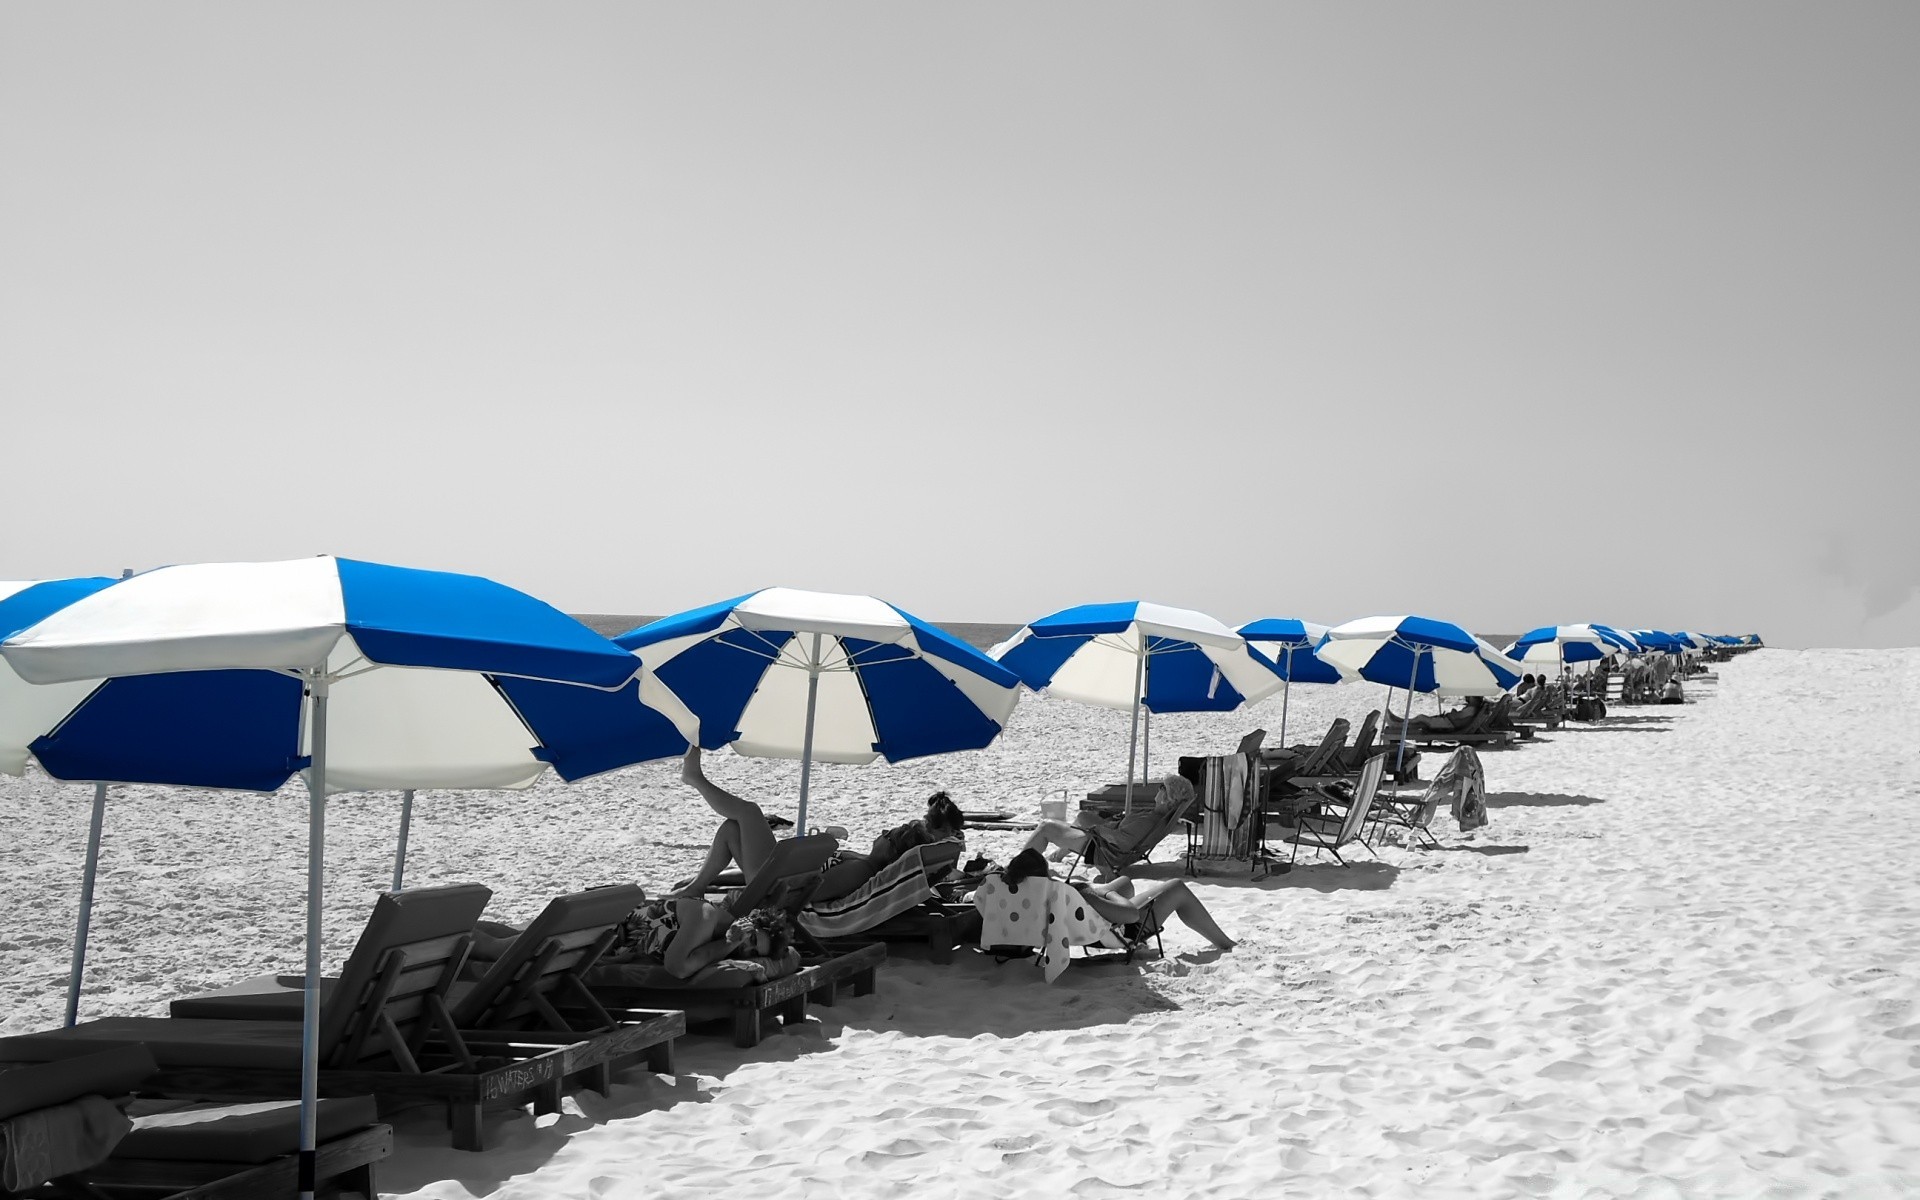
1049 917
1343 828
1459 785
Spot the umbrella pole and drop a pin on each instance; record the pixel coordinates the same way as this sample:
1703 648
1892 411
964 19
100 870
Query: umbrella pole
316 881
1406 727
1133 737
1286 694
86 903
806 745
400 852
1146 744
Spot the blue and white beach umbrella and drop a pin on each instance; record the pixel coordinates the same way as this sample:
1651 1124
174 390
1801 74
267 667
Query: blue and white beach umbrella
819 676
1289 644
27 710
1560 645
238 675
1137 655
1421 655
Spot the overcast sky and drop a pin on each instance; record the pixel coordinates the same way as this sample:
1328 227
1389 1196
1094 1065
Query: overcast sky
1510 314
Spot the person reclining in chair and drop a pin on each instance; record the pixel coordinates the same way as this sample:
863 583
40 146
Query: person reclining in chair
1112 844
1126 902
942 822
1442 723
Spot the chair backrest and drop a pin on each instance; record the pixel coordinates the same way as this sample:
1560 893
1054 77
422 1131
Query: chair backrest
413 946
1250 744
1362 746
1502 710
1535 698
789 877
568 936
1317 762
1364 790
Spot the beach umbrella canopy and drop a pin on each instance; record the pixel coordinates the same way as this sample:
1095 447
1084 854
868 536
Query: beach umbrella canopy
208 669
1420 654
1560 645
225 675
821 676
1134 652
28 710
1137 655
1288 644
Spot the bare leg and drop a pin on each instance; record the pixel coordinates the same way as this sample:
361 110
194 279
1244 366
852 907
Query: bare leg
1164 898
744 837
1057 833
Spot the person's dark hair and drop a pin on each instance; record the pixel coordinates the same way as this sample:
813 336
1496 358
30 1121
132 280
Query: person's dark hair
943 813
1028 864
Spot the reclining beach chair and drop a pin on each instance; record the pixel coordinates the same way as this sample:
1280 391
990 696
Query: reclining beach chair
1349 760
1319 762
1476 732
1343 826
749 992
386 1027
72 1128
1229 814
1050 917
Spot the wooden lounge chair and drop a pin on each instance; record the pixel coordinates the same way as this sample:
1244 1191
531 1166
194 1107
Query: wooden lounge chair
175 1150
1476 732
534 986
1349 760
1342 827
1317 762
386 1028
787 880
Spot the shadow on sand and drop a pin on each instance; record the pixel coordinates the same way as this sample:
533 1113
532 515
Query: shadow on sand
1489 851
1538 800
517 1144
1321 875
1013 997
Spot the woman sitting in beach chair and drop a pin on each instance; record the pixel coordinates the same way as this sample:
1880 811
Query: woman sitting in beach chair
1117 843
1140 907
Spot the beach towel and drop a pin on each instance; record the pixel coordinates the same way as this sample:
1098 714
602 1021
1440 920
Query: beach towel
1046 913
1460 783
57 1140
901 885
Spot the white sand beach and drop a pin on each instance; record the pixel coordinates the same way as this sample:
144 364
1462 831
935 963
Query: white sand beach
1682 961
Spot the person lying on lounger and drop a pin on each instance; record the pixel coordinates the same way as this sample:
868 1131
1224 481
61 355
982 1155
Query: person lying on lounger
1116 842
1451 721
1125 901
942 822
744 837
